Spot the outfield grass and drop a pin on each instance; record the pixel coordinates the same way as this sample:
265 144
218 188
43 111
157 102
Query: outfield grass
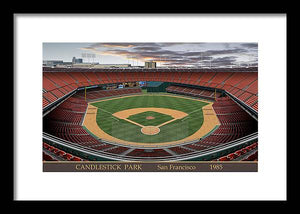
173 131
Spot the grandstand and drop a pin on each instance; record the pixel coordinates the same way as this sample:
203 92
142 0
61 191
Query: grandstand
233 91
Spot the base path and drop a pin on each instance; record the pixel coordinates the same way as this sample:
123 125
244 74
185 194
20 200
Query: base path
209 123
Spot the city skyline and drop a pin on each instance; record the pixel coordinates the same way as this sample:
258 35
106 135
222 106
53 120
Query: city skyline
165 54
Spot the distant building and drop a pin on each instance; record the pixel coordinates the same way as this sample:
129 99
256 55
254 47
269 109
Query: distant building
150 64
76 61
52 62
79 61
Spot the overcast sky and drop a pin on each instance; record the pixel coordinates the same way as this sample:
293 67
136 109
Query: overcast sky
165 54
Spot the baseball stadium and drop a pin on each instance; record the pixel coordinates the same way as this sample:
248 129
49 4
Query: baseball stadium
150 114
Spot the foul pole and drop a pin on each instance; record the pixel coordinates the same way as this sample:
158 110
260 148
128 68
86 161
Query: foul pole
215 94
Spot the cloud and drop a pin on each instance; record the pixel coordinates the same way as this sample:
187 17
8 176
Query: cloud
250 45
222 54
224 61
147 48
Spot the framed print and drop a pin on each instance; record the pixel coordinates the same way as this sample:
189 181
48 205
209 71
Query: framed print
150 106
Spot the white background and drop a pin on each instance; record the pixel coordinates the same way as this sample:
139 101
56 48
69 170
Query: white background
269 183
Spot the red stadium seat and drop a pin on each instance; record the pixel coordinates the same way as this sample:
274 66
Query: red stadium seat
61 153
68 156
223 159
238 153
74 158
231 156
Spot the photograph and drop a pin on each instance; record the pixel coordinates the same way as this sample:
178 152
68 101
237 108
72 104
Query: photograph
150 106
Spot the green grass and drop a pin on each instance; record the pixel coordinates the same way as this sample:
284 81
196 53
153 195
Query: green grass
141 118
173 131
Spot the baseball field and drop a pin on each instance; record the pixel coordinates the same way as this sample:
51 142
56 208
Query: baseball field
150 119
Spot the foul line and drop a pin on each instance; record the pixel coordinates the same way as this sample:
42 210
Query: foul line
135 123
108 113
166 123
190 114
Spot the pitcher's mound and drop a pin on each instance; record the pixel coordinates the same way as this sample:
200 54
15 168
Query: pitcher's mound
150 118
150 130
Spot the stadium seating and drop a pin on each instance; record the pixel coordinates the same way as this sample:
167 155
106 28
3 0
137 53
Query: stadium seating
242 154
252 157
55 154
180 150
243 84
94 94
193 92
235 123
149 153
65 120
117 150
